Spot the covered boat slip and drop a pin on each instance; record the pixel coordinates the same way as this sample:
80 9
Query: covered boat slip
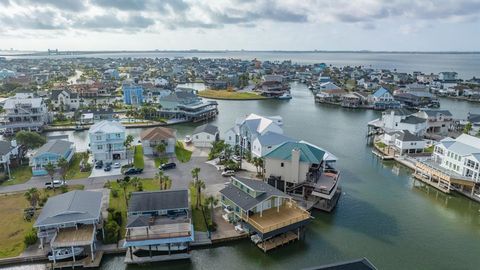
135 235
278 241
83 236
444 180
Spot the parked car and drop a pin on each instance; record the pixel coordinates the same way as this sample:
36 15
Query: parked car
108 167
167 166
133 171
228 173
55 184
99 164
116 165
236 158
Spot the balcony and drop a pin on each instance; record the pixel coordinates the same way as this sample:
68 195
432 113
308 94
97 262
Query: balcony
272 219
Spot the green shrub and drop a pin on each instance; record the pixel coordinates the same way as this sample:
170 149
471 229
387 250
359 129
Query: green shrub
114 193
117 217
112 231
31 237
64 189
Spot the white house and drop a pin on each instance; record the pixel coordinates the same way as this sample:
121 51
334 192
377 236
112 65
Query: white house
438 121
107 141
65 100
401 119
404 142
205 135
264 144
158 135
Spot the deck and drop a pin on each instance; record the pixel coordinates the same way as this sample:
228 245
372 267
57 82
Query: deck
272 219
72 237
278 241
161 231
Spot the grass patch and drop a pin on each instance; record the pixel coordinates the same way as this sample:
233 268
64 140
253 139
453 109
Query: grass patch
118 203
74 168
429 149
13 225
197 216
183 155
160 160
225 94
20 175
380 145
138 157
63 123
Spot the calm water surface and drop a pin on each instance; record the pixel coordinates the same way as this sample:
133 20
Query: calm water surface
380 215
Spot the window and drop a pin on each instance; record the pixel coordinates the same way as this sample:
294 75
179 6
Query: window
208 137
118 136
196 137
281 164
229 138
98 137
100 147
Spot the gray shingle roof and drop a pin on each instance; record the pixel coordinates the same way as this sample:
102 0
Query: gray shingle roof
58 147
207 128
245 201
406 136
5 147
74 206
413 120
158 200
434 113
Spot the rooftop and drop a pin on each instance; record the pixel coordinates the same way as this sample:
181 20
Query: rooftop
106 126
157 133
55 146
158 200
207 128
308 153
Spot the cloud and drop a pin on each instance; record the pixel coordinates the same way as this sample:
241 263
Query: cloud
67 5
112 21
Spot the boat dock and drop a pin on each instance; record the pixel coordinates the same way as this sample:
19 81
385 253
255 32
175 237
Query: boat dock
278 241
85 262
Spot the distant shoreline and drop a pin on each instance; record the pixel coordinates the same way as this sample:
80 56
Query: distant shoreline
79 52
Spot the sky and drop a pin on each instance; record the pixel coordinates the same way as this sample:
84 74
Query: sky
377 25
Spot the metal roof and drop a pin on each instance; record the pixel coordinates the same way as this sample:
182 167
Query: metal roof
58 147
74 206
106 126
158 200
207 128
5 147
308 152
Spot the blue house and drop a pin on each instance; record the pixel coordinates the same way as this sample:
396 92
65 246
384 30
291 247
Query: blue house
158 222
51 152
132 94
382 99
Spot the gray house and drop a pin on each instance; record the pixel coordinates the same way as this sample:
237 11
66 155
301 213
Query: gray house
71 220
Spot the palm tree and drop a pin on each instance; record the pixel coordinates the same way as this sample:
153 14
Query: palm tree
255 162
50 168
166 179
128 141
124 185
211 201
32 196
195 173
62 163
198 185
160 176
135 181
160 148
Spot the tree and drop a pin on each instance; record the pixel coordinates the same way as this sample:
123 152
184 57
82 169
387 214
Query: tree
50 168
166 180
124 185
195 173
160 148
128 141
32 196
211 201
31 140
198 185
135 182
160 176
255 162
63 164
467 128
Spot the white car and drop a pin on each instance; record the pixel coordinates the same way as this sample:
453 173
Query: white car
116 165
228 173
236 158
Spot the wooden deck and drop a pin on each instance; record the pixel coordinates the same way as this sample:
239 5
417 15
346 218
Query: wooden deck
272 219
278 241
72 237
85 262
159 232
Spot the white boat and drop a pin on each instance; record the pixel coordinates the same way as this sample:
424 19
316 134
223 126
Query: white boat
256 239
65 253
188 139
285 96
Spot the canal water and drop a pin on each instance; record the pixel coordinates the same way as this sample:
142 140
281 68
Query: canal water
381 215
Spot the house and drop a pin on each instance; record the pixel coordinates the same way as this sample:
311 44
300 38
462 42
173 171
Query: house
71 220
438 121
205 135
24 112
264 144
400 119
417 99
185 105
263 211
51 152
251 127
106 140
455 165
158 222
382 99
111 74
11 154
64 100
158 135
474 120
303 169
448 76
95 116
132 94
404 142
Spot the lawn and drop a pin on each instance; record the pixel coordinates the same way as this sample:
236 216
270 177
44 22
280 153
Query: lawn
183 155
224 94
429 149
118 203
20 175
74 168
138 157
14 227
67 122
197 216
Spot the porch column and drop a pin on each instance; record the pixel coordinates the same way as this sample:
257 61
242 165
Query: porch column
131 253
91 251
54 255
169 252
150 250
73 253
278 204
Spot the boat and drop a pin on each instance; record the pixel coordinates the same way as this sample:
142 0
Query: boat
188 139
285 96
65 253
256 239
